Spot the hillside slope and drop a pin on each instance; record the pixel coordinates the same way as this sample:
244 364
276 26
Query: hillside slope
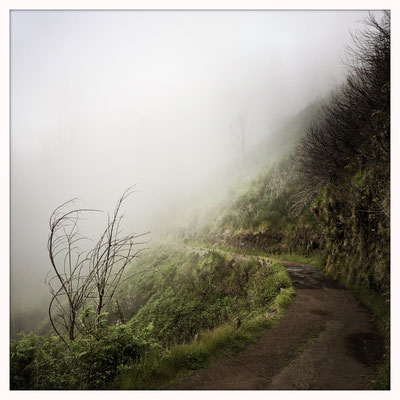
331 195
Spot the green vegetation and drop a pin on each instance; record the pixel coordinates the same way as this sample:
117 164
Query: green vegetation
192 293
165 368
92 362
315 260
182 295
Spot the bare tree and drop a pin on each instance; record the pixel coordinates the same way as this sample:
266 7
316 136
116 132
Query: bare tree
110 257
241 132
68 263
354 128
81 276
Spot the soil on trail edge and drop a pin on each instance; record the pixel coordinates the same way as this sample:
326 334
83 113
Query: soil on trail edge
327 340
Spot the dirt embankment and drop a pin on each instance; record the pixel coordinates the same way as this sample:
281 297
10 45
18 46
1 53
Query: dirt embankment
327 340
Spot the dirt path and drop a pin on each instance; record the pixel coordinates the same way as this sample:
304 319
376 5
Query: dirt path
327 340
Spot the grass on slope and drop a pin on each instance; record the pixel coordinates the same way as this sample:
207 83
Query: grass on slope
165 368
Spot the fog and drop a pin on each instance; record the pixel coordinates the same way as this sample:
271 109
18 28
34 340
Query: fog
101 101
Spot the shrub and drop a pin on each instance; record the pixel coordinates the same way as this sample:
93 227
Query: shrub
44 362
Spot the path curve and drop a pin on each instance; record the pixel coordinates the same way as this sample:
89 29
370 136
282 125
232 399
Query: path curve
327 340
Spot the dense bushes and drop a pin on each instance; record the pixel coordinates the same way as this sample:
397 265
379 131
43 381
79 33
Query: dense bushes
44 362
353 131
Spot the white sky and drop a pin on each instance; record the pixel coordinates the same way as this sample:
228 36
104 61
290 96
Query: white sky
104 100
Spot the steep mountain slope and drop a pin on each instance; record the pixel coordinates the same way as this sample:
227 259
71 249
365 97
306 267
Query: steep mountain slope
331 195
